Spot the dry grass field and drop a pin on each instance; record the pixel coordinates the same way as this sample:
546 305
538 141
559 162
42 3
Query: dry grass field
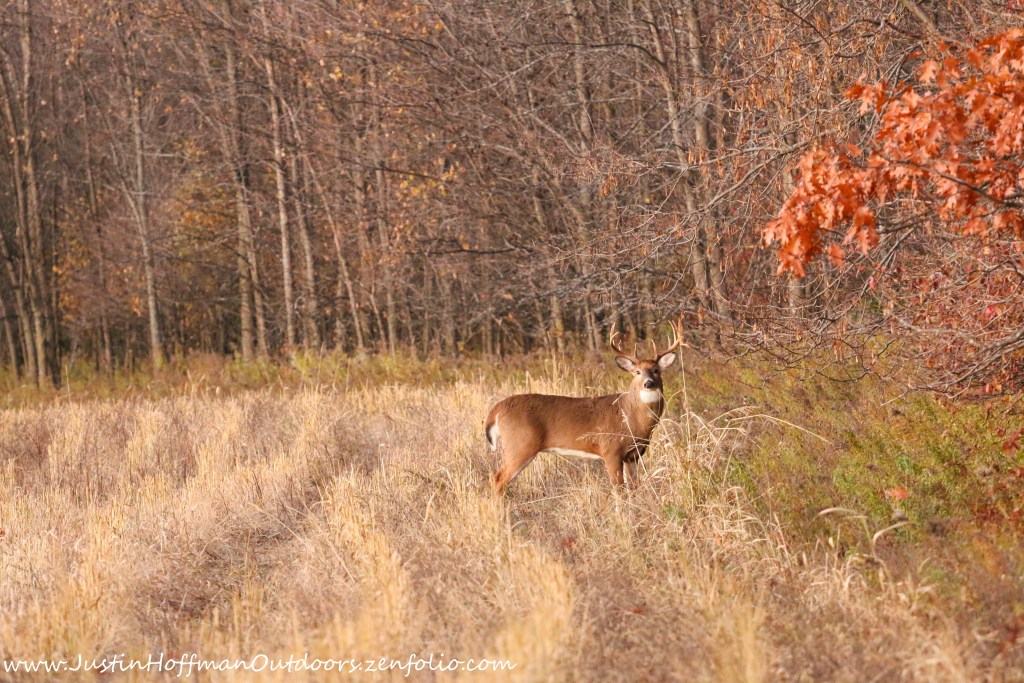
354 522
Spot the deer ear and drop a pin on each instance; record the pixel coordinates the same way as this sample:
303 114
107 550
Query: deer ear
624 363
666 360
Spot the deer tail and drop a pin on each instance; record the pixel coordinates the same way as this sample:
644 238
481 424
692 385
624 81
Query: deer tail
491 430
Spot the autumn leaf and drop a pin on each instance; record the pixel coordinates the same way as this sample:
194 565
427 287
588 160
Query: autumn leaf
952 142
836 254
897 494
1011 444
928 70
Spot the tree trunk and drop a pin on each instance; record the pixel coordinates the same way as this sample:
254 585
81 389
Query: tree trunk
28 345
29 270
713 248
383 228
40 274
231 148
344 278
310 306
282 205
12 350
141 209
558 324
106 353
252 319
586 212
697 259
796 289
16 279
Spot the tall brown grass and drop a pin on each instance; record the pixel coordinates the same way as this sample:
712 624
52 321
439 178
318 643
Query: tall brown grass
356 523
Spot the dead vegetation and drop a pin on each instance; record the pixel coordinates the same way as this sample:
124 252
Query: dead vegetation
355 523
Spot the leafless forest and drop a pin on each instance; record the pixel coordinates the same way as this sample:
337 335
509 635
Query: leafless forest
254 178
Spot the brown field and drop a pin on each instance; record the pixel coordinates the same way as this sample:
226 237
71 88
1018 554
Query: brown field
354 522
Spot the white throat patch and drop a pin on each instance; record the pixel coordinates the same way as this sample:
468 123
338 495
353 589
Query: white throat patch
649 396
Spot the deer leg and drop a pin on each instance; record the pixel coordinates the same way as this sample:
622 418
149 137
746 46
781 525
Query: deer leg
512 464
614 466
632 478
613 463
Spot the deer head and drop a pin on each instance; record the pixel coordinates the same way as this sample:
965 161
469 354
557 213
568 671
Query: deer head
647 383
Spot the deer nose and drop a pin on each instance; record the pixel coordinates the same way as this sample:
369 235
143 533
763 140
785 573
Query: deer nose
649 384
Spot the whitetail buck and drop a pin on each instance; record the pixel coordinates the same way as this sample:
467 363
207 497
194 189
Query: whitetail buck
615 428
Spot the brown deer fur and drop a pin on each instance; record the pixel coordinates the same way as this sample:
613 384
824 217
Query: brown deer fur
615 428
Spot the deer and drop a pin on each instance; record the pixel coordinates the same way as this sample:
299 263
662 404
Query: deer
615 428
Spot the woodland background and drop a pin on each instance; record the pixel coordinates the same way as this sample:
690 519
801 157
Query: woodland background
256 178
284 243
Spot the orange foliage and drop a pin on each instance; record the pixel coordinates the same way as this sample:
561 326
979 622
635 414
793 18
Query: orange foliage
953 140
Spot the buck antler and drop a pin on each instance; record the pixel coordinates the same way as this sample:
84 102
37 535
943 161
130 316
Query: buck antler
677 332
613 341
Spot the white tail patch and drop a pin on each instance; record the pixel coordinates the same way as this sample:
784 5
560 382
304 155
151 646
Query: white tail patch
492 436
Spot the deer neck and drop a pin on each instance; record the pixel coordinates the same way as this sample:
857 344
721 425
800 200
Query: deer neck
642 410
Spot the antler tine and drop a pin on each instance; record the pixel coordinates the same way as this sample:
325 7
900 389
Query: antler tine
614 342
677 332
